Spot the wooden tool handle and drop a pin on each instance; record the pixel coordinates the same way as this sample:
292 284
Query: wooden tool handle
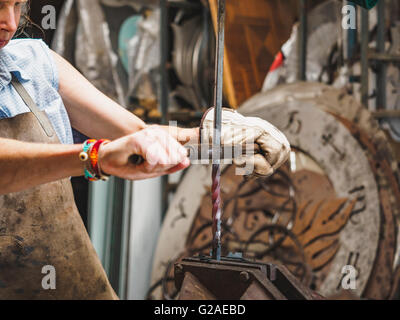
136 159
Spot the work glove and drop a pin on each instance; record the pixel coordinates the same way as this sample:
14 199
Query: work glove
270 146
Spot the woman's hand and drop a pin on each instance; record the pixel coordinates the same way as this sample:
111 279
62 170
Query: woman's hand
162 153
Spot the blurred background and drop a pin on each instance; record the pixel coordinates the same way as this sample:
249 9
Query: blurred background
334 92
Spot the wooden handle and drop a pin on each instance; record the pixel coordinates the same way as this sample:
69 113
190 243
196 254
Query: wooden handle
136 159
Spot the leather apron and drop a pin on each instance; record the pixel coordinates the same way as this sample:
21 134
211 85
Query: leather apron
42 227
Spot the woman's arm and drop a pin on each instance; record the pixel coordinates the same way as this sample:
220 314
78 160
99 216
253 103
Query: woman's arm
97 116
25 165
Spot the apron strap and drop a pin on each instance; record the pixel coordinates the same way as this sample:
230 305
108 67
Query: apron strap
40 116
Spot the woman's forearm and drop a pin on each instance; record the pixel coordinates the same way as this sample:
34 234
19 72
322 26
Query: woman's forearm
24 165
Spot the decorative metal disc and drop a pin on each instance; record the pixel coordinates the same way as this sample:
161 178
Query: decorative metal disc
383 164
357 202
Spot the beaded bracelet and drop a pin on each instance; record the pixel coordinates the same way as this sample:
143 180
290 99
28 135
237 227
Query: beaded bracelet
92 167
84 156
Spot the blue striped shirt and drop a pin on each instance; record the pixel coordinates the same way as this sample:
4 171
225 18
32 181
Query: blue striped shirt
31 62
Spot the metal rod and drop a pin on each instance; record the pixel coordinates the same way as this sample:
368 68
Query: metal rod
163 60
381 114
381 72
302 42
351 37
164 90
384 57
216 168
184 4
204 45
364 57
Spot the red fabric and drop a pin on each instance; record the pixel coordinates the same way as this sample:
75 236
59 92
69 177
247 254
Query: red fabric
278 62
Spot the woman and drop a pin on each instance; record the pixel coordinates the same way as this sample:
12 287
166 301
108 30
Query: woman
41 97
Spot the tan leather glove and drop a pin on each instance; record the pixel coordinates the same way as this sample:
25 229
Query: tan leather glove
271 147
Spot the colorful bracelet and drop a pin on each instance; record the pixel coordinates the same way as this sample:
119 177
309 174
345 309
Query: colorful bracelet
90 157
84 156
94 159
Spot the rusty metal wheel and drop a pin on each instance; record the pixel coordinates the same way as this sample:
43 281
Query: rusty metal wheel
381 158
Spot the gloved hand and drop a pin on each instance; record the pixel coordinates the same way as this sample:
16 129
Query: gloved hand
271 147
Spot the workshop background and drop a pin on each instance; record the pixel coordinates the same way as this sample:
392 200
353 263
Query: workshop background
334 92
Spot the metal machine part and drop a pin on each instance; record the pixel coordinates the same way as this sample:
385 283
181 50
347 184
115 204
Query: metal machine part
393 84
193 58
353 167
136 4
382 164
232 279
